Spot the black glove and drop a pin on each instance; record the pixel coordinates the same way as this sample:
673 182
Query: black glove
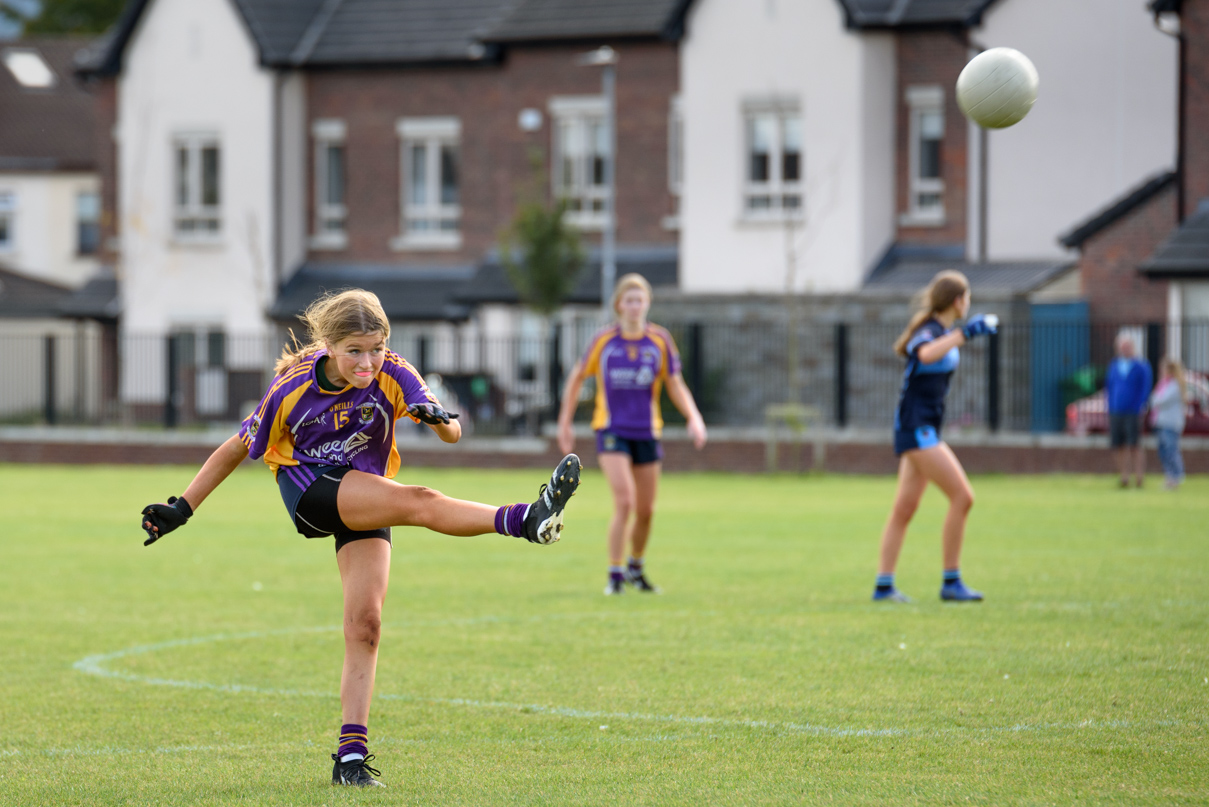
431 413
160 519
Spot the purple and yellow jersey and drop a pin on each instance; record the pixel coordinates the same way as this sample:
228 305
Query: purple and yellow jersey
630 374
299 423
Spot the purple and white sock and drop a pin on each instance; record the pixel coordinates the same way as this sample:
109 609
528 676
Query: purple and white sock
510 520
354 742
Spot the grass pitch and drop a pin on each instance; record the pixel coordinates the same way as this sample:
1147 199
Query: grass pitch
204 669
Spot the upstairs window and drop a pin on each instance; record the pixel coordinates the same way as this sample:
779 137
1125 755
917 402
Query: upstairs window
581 158
431 203
197 199
88 223
8 216
925 132
774 161
330 212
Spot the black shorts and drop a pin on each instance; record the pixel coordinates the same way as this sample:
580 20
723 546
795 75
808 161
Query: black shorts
642 452
309 493
1123 430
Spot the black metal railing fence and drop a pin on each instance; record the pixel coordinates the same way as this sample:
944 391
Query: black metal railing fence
845 373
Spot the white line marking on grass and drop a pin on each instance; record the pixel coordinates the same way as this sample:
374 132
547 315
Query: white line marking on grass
95 665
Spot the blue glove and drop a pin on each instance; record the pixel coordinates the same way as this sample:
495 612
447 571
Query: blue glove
978 326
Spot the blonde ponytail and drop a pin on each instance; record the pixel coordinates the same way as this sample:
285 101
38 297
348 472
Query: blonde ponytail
332 318
945 289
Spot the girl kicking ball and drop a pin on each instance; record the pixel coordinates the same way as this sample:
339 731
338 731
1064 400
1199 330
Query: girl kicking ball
326 427
631 362
930 346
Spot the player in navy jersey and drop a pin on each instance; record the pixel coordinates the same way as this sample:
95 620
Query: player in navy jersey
930 346
326 428
631 361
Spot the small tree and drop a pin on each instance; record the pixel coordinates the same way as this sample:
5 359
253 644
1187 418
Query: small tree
542 257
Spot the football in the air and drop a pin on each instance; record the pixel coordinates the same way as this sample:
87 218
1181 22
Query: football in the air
997 88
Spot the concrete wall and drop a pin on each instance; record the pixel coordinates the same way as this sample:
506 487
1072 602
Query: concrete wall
44 240
746 50
1104 119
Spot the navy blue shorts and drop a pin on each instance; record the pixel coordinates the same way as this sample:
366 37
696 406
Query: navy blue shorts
642 452
309 493
908 440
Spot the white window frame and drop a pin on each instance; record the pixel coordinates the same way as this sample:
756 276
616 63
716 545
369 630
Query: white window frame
81 222
432 133
192 209
8 212
923 99
675 159
328 133
776 189
587 202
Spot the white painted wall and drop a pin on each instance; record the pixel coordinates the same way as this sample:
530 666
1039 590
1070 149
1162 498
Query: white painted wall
294 158
44 234
742 49
1104 119
192 67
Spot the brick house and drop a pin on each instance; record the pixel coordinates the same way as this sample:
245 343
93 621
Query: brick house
889 181
265 151
1145 257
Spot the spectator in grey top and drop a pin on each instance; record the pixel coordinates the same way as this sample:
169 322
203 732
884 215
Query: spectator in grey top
1167 404
1127 388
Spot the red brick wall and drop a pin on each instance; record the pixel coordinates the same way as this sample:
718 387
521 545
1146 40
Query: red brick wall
1108 265
495 153
731 456
1194 19
933 58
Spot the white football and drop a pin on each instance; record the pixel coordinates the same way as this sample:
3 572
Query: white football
997 88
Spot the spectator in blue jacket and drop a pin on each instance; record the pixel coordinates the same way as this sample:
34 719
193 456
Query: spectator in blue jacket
1128 389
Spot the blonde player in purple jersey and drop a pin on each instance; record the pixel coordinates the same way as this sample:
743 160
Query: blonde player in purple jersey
326 427
631 361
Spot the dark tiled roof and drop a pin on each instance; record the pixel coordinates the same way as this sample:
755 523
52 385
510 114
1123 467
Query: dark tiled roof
406 292
338 32
1010 277
659 265
1185 253
544 20
913 13
46 129
279 25
1138 196
25 297
397 31
98 298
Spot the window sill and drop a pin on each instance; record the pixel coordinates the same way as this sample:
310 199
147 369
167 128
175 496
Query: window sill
197 242
587 222
412 242
771 220
328 241
921 219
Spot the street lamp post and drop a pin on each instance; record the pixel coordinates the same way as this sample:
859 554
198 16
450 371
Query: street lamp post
606 58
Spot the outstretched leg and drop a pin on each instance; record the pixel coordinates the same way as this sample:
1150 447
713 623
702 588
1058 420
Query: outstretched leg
370 502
